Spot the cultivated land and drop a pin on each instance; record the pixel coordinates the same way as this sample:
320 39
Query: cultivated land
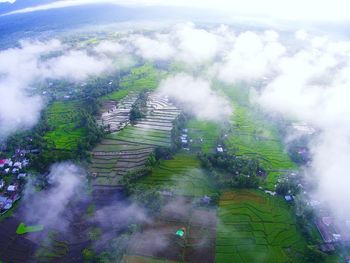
144 77
129 149
255 227
204 135
181 175
251 134
63 120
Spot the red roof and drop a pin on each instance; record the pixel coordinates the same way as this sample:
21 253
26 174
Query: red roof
2 161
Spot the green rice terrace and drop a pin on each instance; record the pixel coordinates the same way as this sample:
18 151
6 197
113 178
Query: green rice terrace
181 175
144 77
252 223
251 134
129 148
63 119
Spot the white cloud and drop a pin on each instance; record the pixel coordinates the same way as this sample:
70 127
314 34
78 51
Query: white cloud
50 206
196 96
183 42
109 48
313 86
157 48
296 10
20 67
7 1
75 65
251 57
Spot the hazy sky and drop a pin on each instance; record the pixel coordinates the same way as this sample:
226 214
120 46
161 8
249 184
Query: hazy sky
295 10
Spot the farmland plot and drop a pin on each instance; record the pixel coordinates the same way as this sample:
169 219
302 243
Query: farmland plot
181 175
129 148
255 227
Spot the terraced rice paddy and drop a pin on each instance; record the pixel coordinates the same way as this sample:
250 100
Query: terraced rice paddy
255 227
115 115
252 134
129 148
181 175
63 119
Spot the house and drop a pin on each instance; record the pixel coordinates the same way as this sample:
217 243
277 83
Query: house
3 201
206 200
7 170
2 163
25 162
21 175
2 184
11 188
8 204
288 198
219 149
18 165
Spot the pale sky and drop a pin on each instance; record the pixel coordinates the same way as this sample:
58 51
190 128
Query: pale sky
294 10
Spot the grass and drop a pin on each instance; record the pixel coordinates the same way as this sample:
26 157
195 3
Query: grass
23 229
182 175
63 119
255 227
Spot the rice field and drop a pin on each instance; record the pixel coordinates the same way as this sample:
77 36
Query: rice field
252 134
63 119
144 77
181 175
255 227
129 148
204 135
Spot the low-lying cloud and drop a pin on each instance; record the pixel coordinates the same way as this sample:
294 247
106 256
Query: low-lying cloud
33 62
196 97
49 207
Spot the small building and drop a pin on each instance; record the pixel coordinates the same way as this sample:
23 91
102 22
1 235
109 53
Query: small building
219 149
8 204
270 192
2 163
18 165
21 176
206 200
181 232
288 198
11 188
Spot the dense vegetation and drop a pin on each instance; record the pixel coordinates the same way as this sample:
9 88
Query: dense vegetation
230 170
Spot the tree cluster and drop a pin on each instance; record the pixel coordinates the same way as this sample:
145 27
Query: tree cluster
232 171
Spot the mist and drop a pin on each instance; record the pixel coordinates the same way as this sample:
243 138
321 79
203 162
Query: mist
49 207
26 64
196 97
306 78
